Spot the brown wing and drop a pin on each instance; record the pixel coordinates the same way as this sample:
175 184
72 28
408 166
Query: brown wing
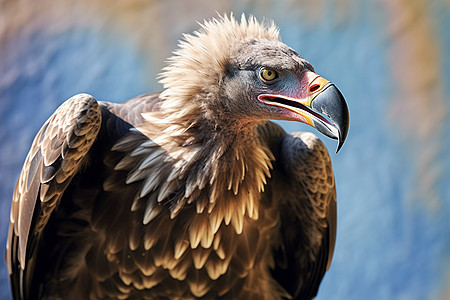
307 214
58 151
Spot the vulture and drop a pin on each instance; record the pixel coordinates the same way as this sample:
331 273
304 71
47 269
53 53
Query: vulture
190 193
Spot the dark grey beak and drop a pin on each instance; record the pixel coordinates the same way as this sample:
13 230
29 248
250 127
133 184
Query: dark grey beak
331 103
321 100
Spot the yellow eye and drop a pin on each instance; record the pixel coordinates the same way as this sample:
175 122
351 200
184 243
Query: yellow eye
268 74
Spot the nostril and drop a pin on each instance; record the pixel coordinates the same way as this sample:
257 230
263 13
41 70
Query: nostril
314 88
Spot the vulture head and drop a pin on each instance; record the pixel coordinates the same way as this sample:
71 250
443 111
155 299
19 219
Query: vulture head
238 74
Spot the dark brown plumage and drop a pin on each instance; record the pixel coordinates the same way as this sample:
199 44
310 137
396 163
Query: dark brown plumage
190 193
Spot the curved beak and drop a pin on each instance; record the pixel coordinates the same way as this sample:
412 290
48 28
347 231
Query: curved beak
321 106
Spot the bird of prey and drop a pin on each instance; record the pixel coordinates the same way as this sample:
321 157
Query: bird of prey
191 193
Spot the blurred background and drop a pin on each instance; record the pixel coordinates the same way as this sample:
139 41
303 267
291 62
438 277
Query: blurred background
389 58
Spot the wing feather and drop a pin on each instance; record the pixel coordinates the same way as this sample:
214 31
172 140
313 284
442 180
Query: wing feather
308 214
58 151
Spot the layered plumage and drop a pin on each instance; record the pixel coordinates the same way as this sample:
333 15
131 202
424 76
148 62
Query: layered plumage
189 193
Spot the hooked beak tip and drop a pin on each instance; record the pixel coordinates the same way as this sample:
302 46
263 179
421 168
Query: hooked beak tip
339 146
